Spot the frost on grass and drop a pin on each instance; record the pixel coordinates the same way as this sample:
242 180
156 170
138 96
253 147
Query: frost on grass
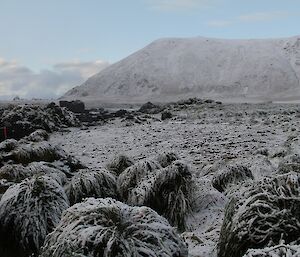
28 212
166 159
31 152
8 145
108 228
17 172
95 183
275 251
119 163
133 175
289 163
4 185
230 175
38 135
265 214
24 152
168 191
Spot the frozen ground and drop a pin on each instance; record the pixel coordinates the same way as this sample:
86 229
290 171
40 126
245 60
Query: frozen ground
205 137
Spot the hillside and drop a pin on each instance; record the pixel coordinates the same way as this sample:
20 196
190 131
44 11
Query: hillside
169 69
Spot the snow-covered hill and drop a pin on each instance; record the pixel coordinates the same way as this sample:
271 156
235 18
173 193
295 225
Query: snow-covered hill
169 69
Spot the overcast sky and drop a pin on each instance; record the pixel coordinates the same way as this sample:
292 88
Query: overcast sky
49 46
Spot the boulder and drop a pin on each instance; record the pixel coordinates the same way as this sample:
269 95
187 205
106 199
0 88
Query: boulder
76 106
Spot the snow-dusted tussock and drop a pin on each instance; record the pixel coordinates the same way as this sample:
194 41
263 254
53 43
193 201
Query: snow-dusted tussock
289 163
275 251
230 175
8 145
17 172
134 174
95 183
168 191
48 169
119 163
4 185
263 215
40 151
25 152
38 135
108 228
165 159
28 212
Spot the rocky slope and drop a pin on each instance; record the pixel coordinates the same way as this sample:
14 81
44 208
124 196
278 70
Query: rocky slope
169 69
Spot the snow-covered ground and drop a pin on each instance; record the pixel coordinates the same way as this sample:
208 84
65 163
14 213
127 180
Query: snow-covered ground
206 137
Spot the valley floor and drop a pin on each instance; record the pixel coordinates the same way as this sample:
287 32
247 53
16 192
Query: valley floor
255 135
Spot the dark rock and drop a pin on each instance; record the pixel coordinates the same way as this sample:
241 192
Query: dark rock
150 108
166 115
74 106
130 117
121 113
94 116
22 120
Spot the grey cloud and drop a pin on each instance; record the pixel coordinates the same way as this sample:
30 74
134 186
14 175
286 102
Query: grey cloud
16 79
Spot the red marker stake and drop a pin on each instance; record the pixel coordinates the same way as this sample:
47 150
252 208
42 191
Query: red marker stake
5 132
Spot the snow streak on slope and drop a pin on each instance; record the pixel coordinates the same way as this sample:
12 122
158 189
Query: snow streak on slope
177 68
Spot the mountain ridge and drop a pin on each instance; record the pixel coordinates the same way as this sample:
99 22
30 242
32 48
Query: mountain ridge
204 67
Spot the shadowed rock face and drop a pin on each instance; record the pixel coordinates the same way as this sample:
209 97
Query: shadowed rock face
177 68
